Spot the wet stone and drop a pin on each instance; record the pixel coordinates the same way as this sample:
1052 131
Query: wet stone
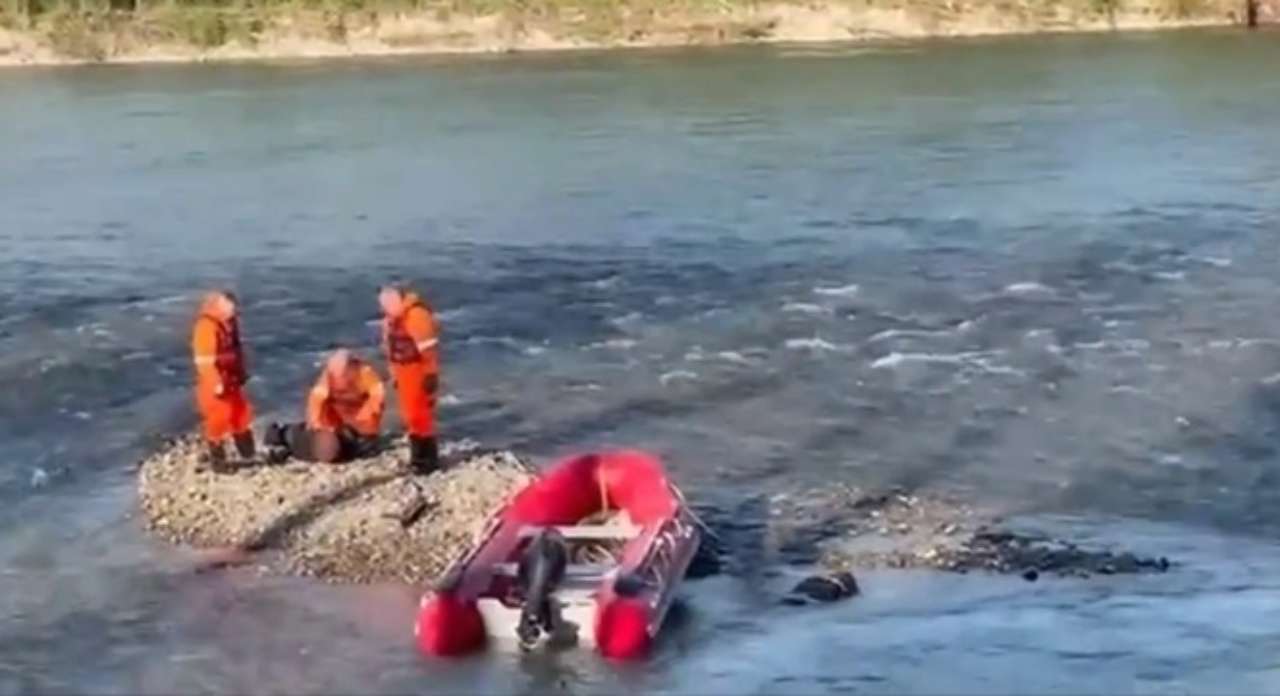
901 531
823 588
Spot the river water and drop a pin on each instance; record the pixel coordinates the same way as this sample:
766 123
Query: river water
1034 274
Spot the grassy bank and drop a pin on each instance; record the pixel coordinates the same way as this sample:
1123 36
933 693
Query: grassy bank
51 31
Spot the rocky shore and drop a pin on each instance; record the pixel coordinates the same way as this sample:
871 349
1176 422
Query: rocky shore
365 521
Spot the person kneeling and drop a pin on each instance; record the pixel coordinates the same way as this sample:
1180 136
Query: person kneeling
344 414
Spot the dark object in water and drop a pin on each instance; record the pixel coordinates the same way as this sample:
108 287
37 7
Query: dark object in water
822 588
539 573
706 560
1031 575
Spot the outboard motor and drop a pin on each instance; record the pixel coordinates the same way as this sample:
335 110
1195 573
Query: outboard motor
539 573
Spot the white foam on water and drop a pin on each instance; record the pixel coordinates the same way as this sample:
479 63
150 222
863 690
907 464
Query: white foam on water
895 359
534 350
733 356
890 334
625 319
676 375
1237 343
612 344
506 341
1133 345
998 369
978 359
1216 261
449 314
815 344
449 400
267 303
1122 266
838 291
1029 288
804 308
605 283
1171 275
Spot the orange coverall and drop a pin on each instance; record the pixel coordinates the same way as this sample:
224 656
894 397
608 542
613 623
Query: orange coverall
220 376
356 401
410 342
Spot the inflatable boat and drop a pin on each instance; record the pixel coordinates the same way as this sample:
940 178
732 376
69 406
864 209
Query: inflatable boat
528 572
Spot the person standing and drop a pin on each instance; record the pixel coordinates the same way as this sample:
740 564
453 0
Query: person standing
410 341
220 375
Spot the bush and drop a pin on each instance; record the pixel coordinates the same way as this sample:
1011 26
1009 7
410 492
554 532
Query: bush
73 35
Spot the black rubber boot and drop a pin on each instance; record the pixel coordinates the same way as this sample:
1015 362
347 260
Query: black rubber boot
216 455
244 445
424 455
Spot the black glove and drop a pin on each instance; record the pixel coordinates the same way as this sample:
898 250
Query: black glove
430 383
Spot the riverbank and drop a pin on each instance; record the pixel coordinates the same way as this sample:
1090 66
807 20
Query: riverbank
208 33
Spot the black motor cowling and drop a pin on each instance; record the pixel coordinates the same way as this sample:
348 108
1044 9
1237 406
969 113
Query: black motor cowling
539 573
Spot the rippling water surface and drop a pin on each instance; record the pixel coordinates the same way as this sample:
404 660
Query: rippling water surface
1037 274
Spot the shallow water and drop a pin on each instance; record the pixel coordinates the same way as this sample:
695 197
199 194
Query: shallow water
1036 274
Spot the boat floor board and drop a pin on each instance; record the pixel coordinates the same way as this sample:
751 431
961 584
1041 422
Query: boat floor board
587 531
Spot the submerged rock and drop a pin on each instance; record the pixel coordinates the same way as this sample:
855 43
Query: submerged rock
369 520
823 588
851 528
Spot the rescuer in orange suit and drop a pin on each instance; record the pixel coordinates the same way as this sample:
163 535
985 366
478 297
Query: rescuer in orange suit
344 408
410 341
220 377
